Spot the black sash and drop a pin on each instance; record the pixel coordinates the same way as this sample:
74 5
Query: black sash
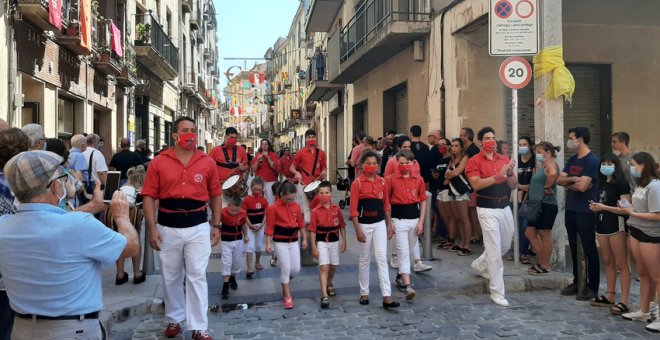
494 197
327 234
182 213
228 164
285 234
405 211
371 210
256 216
231 232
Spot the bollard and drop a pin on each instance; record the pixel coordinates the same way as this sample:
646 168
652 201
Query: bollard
427 248
148 265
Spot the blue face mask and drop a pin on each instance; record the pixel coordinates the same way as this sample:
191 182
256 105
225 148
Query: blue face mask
607 170
540 158
523 150
634 173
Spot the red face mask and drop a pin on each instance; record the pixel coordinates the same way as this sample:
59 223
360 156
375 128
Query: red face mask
405 168
231 141
311 142
257 193
370 169
325 199
187 141
490 146
443 149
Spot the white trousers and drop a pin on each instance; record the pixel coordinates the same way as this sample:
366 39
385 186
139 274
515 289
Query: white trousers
376 235
328 253
255 241
288 258
405 238
268 192
304 204
185 254
497 229
414 249
232 252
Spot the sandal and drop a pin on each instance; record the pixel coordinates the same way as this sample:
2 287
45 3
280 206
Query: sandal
509 258
258 266
325 303
364 300
248 275
601 301
273 261
619 308
464 252
525 259
455 249
331 290
537 270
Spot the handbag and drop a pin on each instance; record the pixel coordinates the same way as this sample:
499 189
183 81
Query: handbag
531 210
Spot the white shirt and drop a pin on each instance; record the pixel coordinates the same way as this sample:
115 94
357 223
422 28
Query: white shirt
98 162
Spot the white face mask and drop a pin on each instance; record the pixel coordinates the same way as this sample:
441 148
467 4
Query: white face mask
62 199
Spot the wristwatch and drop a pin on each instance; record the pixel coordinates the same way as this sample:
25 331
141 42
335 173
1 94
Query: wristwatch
219 226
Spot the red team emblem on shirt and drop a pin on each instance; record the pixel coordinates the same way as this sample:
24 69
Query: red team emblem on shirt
414 192
380 195
198 178
258 206
336 221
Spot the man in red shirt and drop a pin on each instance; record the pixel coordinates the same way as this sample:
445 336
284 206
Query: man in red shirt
309 165
183 180
285 164
231 159
491 176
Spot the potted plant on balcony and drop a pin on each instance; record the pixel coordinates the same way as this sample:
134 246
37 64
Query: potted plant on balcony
73 28
129 69
142 32
104 53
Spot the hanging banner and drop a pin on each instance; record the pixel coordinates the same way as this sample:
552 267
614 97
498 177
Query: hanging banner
85 24
115 42
55 13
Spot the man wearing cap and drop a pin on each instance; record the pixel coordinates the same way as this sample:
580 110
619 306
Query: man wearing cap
183 179
60 296
309 165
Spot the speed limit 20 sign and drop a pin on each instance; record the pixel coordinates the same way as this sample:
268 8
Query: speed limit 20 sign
515 72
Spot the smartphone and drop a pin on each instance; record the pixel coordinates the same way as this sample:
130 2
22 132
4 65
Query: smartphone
111 185
624 203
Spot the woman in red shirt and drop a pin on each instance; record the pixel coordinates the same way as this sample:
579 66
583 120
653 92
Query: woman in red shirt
408 202
284 221
266 165
369 202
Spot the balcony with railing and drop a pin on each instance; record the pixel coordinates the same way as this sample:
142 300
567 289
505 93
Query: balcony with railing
72 37
320 89
154 49
36 12
379 30
128 75
107 60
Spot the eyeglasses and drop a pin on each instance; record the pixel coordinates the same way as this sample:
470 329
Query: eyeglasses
65 176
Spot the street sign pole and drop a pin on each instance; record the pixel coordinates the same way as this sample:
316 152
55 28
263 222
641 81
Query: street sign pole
514 129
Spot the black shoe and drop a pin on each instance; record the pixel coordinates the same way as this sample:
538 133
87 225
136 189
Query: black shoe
570 290
393 304
123 280
139 279
232 282
325 303
225 290
586 295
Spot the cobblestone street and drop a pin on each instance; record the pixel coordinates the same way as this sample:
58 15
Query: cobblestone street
533 315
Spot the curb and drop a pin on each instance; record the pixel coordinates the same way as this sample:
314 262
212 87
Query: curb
123 311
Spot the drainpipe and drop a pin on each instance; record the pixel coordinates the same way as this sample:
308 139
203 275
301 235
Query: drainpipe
13 54
443 122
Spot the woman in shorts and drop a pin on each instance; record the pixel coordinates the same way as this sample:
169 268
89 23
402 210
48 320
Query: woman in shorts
459 189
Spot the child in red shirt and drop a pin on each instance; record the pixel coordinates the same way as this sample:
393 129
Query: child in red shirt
233 235
284 223
255 205
327 222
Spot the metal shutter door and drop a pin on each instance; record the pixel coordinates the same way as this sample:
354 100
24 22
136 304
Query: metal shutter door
525 114
585 110
401 99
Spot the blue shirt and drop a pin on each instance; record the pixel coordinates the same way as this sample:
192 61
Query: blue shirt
588 166
77 162
51 260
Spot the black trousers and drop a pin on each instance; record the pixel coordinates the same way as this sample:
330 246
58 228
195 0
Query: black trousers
584 224
6 317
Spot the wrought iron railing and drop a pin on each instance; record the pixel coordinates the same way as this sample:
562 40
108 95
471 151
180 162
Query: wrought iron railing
317 68
130 64
373 16
158 39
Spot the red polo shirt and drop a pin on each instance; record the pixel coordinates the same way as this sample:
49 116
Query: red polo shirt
283 215
264 170
255 208
393 164
364 188
480 166
304 161
167 177
233 220
315 202
285 166
219 156
355 154
403 190
326 217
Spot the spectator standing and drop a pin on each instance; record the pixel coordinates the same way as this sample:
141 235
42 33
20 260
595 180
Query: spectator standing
35 134
143 151
124 160
580 177
389 150
421 151
471 149
97 167
620 141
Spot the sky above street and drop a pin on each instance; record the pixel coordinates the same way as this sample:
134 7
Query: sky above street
247 28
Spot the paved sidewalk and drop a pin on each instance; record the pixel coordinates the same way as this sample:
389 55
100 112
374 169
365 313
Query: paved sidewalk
451 275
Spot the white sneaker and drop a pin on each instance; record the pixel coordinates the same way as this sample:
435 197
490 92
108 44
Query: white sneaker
653 326
653 310
637 316
410 292
499 300
482 271
394 261
421 267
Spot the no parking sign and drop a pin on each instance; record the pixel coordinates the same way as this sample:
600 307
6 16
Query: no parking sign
513 27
